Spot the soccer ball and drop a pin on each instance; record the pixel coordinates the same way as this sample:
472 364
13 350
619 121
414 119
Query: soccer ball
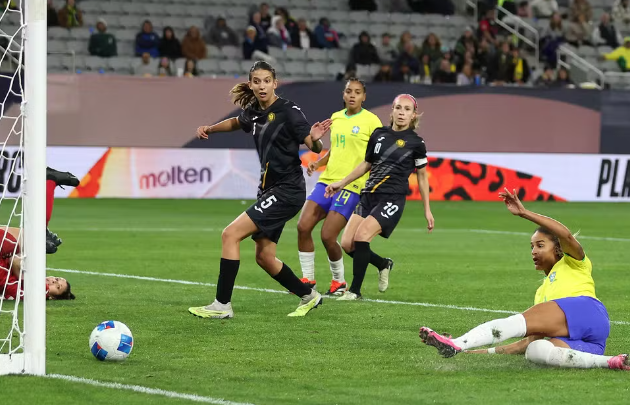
111 340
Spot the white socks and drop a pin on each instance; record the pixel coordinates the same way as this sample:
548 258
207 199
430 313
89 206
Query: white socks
493 332
544 352
307 261
337 270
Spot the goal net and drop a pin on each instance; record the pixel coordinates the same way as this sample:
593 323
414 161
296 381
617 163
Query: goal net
22 186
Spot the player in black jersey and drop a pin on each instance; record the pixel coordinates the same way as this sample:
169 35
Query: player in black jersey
279 127
392 154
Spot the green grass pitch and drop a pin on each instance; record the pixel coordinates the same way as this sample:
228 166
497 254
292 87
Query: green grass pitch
341 353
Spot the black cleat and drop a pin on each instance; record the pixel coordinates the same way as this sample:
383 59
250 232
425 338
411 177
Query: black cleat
53 238
50 247
62 178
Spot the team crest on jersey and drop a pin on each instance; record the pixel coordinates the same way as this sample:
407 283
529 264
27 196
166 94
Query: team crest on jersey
400 143
271 117
355 130
552 277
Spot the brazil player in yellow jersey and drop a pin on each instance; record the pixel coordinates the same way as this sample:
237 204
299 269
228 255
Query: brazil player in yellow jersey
349 134
567 326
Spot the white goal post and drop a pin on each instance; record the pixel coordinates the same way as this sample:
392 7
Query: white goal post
30 356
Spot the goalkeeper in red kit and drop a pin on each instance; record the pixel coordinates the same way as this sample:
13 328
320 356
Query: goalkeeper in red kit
55 178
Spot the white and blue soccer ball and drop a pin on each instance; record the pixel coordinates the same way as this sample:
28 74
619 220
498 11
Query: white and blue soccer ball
111 341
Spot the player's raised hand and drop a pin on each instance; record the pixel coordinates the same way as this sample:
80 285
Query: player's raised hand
202 132
333 189
319 129
311 168
512 202
430 221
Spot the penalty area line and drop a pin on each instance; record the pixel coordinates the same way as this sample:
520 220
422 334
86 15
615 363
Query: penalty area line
144 390
269 290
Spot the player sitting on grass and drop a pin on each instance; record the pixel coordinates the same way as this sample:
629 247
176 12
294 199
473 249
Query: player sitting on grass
57 288
349 134
278 127
392 155
55 178
567 327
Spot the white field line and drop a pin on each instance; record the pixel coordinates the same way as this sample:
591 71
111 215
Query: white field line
145 390
399 230
268 290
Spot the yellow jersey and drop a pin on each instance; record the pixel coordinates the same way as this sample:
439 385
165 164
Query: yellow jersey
349 137
569 277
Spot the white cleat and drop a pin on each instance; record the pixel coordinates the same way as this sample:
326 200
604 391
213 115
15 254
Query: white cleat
383 275
216 310
350 296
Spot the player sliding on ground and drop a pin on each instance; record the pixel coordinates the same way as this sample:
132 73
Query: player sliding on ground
392 154
567 327
57 288
349 134
279 127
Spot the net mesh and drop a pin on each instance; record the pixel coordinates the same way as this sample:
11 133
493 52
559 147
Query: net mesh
12 25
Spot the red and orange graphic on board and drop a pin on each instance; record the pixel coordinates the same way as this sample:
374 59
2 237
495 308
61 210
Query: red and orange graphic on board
91 183
451 179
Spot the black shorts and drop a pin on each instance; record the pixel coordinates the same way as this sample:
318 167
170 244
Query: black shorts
385 208
274 208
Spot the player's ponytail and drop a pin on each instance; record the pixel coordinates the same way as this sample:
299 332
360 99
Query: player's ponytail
242 95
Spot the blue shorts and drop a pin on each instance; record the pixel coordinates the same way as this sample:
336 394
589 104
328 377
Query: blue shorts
588 324
343 202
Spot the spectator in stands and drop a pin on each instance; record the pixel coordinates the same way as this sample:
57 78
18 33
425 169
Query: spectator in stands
147 41
253 47
364 52
621 55
546 79
519 68
432 47
303 38
164 68
425 70
621 14
563 79
408 58
544 8
444 7
484 55
579 32
53 18
193 46
102 43
145 69
465 77
606 33
265 17
289 22
221 35
360 5
170 46
70 16
444 75
499 70
581 8
387 52
488 27
256 22
551 38
326 36
466 43
405 38
278 34
190 68
384 74
522 12
403 73
509 5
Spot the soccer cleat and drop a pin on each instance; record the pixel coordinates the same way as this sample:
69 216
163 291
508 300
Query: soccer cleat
50 247
53 238
62 178
216 310
310 283
383 275
313 300
336 288
350 296
620 362
443 344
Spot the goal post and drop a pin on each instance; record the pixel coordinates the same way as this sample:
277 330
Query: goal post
29 130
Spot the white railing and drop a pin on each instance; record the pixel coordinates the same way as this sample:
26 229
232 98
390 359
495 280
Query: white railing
514 29
575 60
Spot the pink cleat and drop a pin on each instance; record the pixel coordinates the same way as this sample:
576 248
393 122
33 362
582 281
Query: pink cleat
620 362
443 344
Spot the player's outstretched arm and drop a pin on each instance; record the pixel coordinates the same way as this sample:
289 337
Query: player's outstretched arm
359 171
314 166
423 186
569 244
228 125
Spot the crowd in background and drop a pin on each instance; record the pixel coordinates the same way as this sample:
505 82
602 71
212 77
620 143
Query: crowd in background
483 54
